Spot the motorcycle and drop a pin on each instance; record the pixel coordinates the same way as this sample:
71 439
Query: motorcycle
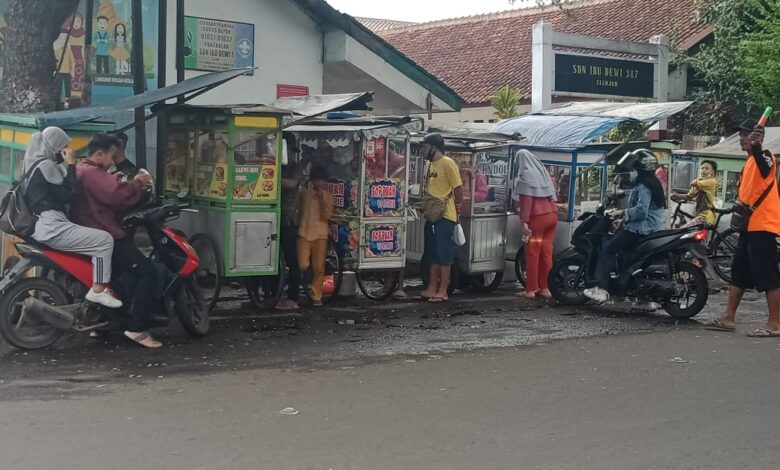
35 311
667 267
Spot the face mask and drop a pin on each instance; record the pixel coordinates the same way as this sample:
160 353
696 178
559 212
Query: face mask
633 175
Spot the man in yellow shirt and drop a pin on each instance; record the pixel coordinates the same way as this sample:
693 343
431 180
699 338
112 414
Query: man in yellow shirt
442 182
702 191
316 209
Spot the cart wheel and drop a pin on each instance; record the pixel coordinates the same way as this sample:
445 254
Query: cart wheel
377 285
209 274
486 283
334 271
455 277
265 291
520 266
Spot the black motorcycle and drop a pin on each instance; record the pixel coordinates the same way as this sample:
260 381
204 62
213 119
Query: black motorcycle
665 267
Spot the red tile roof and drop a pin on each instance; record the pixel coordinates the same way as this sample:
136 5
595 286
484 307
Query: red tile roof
377 24
477 55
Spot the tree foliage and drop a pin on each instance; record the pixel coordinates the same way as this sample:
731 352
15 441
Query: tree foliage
505 102
760 54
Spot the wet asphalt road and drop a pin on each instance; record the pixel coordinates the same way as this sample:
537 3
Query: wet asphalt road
481 382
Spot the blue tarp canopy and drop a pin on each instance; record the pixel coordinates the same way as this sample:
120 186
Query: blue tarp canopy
192 86
575 125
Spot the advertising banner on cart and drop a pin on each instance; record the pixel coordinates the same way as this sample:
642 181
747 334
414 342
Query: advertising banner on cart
383 241
214 45
383 198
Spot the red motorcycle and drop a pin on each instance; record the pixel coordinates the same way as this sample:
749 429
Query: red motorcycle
42 295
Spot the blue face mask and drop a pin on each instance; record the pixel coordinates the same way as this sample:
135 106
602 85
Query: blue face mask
633 175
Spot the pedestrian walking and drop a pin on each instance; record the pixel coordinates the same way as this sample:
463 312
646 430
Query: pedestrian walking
755 263
535 197
316 209
441 205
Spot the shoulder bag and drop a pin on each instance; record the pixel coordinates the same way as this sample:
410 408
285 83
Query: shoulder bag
740 218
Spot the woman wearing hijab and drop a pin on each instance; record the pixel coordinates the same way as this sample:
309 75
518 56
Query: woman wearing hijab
535 196
644 215
47 192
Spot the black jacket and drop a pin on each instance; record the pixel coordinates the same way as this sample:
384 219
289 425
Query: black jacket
42 196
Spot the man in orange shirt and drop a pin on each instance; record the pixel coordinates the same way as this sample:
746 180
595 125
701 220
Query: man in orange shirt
755 259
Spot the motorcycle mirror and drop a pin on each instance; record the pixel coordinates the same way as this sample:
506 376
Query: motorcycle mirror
183 194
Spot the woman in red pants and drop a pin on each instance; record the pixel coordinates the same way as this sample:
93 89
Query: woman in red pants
535 196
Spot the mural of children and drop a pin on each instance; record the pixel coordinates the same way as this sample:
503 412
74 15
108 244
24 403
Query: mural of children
101 41
69 52
120 52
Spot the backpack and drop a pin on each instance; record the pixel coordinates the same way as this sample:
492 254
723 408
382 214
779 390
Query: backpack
15 217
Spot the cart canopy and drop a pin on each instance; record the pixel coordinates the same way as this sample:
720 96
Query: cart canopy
369 126
574 125
189 87
730 148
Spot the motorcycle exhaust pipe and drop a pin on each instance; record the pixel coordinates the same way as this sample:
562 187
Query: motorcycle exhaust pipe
57 317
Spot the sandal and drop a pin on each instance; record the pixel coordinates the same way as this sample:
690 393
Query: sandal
526 294
144 339
545 294
764 333
437 300
718 325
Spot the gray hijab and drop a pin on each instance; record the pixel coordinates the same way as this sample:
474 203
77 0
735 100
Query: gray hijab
532 178
45 146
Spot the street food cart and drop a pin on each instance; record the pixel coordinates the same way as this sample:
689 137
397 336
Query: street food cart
368 167
485 162
563 139
225 161
15 133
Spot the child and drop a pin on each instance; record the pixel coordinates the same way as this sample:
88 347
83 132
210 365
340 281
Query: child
316 208
703 192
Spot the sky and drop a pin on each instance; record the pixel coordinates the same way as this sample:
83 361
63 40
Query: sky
423 10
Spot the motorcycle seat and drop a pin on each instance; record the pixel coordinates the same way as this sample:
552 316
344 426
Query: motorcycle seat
668 233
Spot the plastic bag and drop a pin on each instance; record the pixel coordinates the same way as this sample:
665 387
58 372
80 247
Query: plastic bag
458 236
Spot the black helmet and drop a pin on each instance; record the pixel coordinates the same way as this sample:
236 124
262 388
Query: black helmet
639 160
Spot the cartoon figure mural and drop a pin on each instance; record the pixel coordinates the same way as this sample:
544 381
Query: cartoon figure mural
69 52
120 51
101 41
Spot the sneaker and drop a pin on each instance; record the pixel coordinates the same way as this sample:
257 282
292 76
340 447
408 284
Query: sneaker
316 303
105 298
597 293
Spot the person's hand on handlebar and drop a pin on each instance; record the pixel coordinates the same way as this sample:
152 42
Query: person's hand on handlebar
144 178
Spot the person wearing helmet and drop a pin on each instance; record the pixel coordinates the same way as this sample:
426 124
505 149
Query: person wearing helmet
644 215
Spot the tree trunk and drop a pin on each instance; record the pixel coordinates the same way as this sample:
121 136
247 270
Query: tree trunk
33 26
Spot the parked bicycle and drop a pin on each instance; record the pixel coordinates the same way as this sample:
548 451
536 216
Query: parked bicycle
721 244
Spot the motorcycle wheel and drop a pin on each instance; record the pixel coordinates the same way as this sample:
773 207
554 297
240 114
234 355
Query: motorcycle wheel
209 273
377 285
192 309
722 251
520 266
692 281
487 282
26 333
563 282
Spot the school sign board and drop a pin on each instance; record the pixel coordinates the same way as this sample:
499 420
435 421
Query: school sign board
215 45
604 76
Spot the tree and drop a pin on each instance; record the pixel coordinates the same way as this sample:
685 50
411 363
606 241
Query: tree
505 102
30 65
760 55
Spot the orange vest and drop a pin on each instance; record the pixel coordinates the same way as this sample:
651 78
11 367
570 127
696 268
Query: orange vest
751 185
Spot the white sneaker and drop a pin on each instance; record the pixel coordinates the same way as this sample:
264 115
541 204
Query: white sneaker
105 298
596 293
